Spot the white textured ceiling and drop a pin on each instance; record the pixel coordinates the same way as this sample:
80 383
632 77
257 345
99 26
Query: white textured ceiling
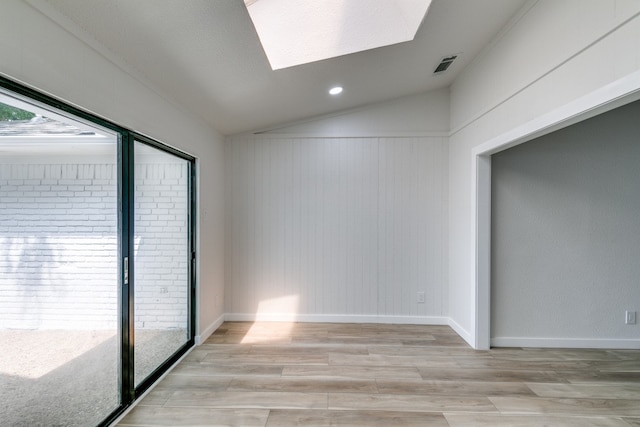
206 56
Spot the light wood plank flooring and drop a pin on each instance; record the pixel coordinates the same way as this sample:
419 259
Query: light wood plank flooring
310 374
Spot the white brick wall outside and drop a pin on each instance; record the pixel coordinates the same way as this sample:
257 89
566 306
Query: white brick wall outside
161 246
58 246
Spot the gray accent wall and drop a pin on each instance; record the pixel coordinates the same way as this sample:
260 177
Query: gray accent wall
566 234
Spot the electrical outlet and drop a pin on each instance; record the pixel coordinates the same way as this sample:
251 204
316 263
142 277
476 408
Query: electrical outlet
421 297
630 317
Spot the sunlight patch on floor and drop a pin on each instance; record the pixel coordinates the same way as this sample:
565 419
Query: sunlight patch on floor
284 310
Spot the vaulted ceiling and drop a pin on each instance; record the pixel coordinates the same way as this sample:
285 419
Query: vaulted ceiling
205 56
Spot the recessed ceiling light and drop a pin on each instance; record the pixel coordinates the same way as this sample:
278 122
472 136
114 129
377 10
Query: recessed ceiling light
335 90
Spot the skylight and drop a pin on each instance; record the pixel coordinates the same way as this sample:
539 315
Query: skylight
295 32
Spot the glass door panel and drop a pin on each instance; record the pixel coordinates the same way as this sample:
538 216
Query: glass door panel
161 257
59 275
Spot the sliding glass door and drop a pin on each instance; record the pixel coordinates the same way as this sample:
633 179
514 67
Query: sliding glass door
162 251
96 262
59 287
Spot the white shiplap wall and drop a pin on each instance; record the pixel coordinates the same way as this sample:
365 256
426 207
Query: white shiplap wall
336 229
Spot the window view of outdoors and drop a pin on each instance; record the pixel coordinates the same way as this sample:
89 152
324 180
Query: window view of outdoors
59 291
161 255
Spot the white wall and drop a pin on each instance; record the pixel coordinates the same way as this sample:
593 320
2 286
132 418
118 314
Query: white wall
420 114
337 228
565 235
41 53
552 54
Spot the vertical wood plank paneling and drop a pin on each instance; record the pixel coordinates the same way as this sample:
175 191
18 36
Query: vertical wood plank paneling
258 283
414 230
293 214
345 225
382 238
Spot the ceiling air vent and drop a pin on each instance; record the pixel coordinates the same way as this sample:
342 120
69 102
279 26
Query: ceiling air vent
444 64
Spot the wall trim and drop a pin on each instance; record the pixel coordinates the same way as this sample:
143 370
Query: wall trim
464 334
336 318
202 337
481 114
309 135
622 344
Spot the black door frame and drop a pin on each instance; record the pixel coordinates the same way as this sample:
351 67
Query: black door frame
126 215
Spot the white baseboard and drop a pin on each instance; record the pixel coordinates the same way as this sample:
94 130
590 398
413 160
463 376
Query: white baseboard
336 318
203 335
464 334
631 344
624 344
